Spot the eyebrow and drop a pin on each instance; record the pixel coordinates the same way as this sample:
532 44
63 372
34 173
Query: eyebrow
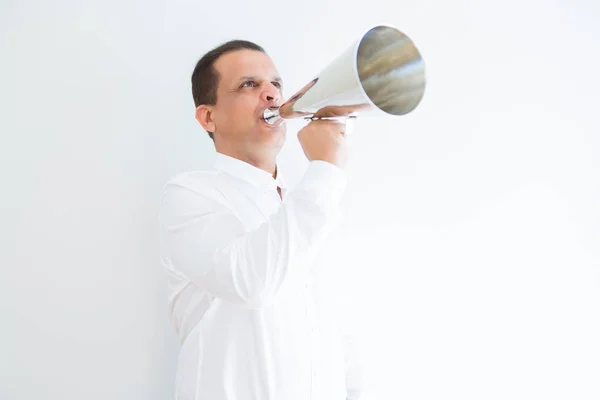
275 78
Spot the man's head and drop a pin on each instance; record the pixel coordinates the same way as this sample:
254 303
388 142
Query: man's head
232 85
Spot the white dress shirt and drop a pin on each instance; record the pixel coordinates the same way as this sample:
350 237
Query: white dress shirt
242 292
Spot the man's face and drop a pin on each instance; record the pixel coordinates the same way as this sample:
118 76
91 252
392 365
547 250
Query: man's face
249 83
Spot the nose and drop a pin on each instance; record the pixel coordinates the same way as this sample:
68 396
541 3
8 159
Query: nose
270 94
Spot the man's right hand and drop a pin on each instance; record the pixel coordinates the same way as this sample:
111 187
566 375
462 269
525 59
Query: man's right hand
324 140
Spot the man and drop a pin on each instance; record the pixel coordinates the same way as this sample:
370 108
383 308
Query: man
238 248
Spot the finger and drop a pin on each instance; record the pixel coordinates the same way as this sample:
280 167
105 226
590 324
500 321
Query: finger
332 122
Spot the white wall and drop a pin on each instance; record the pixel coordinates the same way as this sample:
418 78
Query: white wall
473 231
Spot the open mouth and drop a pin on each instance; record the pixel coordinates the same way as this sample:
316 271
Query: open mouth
271 116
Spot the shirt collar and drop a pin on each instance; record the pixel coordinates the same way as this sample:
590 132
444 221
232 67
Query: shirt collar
248 172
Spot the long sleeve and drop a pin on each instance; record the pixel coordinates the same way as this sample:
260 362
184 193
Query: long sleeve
206 241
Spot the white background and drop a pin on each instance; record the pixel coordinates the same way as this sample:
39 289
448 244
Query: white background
472 245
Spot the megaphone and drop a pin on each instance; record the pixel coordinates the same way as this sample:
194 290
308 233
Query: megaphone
382 73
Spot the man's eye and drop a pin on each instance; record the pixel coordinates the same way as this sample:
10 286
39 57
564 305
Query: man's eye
249 84
277 85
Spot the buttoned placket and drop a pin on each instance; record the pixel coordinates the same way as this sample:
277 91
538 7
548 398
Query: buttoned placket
310 320
312 332
310 312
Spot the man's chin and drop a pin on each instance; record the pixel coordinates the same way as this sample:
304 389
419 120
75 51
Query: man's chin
271 135
277 129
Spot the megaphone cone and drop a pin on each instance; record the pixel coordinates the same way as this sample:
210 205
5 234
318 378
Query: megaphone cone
380 74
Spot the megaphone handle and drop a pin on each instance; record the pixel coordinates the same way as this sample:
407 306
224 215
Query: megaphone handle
343 119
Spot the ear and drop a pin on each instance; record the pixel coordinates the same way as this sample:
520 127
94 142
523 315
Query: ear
204 117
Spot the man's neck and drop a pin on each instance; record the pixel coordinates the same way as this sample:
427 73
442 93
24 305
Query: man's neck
266 163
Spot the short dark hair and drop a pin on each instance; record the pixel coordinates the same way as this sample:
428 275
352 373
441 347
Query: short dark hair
205 78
